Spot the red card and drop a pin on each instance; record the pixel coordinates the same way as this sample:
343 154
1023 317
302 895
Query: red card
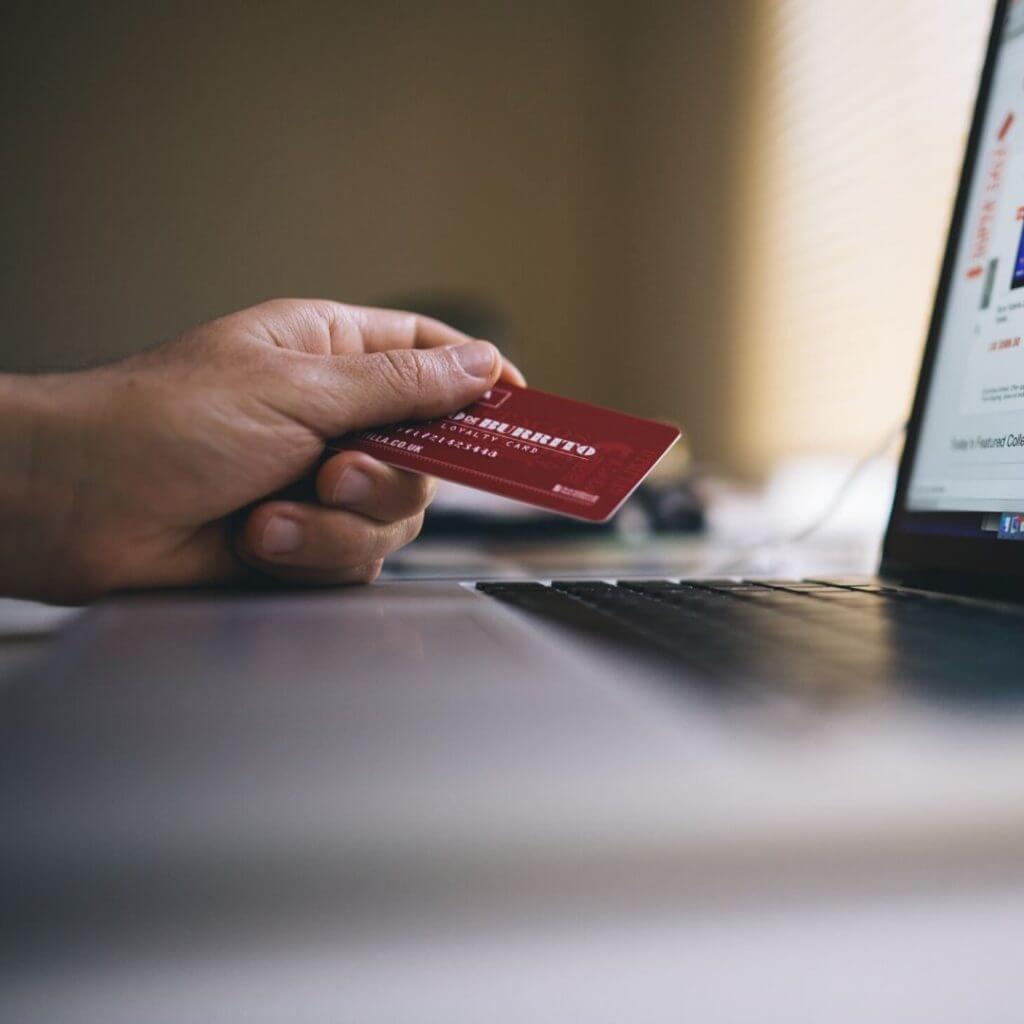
564 456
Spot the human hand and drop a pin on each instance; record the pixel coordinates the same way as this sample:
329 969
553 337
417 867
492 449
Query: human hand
161 470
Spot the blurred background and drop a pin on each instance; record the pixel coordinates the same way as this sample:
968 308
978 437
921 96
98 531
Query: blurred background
728 214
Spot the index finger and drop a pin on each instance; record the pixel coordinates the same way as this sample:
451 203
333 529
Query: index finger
381 329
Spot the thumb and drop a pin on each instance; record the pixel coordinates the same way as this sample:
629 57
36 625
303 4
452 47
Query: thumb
371 389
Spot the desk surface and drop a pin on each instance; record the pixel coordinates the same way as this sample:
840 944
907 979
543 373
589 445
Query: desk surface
915 949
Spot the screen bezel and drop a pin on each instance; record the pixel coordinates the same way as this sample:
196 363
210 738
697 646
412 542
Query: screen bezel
958 562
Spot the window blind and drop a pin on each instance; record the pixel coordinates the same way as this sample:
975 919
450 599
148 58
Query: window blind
855 140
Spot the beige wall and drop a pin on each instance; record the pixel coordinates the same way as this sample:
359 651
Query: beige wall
572 162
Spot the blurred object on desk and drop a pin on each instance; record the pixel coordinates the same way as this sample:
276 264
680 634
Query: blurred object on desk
617 557
792 527
800 496
668 498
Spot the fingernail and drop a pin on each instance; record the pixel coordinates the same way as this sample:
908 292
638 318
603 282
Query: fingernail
476 358
280 536
353 486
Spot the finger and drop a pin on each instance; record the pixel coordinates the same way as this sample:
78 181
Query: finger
382 329
369 329
336 395
511 374
282 534
322 327
360 483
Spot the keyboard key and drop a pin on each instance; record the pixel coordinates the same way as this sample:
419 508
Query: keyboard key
810 636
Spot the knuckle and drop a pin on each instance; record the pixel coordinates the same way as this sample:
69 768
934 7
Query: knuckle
404 371
395 535
356 543
411 528
419 490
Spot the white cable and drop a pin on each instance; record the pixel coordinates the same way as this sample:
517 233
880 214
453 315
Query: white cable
737 561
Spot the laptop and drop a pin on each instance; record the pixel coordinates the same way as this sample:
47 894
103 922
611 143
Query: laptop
942 613
192 776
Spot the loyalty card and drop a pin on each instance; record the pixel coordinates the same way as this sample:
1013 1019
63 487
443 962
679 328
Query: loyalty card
564 456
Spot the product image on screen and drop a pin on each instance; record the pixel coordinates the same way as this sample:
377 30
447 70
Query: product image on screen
1018 266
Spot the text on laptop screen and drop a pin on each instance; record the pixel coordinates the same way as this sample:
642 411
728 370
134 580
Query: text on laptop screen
970 453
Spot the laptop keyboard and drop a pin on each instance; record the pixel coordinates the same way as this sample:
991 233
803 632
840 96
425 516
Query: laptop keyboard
814 636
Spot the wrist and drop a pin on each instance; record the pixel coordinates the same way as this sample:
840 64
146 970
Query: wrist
36 496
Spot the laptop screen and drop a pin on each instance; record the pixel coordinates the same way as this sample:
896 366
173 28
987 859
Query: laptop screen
963 475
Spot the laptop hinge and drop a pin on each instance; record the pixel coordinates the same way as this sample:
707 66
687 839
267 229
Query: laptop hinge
996 588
